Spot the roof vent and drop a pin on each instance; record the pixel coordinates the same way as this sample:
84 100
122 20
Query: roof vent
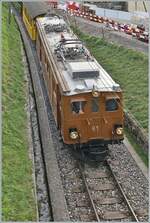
54 28
82 70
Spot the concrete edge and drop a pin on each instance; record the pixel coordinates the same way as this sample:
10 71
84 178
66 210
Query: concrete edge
31 150
136 157
58 201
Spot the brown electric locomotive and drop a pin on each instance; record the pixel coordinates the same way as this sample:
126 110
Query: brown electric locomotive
86 102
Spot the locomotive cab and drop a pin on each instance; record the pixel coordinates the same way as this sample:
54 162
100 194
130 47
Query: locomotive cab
92 120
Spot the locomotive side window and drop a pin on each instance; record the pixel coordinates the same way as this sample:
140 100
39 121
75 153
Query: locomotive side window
112 105
78 107
95 105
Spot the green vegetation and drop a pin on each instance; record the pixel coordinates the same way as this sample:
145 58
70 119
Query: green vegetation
128 68
17 6
18 201
137 148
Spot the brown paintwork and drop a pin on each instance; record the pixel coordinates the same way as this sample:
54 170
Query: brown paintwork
90 125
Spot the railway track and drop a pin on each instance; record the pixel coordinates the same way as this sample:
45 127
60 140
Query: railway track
92 194
107 199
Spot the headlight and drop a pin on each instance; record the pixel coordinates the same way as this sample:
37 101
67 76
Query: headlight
119 131
74 135
95 93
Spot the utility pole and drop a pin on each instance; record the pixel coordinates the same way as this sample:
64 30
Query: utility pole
135 6
144 6
9 13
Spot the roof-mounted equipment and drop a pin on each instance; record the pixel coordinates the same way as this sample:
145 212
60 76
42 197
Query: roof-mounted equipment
82 70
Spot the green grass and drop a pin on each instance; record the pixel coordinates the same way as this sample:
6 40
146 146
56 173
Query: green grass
137 148
128 68
18 201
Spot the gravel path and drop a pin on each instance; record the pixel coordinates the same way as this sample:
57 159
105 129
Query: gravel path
97 29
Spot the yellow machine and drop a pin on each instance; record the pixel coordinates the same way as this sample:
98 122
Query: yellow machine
30 12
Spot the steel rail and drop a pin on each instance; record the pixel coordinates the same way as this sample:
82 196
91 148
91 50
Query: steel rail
89 194
123 194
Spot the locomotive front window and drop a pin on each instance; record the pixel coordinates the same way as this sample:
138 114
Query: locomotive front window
95 105
112 105
78 107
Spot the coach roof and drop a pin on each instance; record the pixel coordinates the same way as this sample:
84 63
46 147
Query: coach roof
75 74
36 8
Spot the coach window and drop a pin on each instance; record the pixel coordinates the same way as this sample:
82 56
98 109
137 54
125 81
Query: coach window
77 107
112 104
95 105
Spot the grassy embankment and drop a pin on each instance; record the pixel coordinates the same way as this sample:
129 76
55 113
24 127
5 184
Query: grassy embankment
128 68
18 201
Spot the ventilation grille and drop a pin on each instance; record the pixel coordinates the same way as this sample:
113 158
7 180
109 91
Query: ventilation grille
83 70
